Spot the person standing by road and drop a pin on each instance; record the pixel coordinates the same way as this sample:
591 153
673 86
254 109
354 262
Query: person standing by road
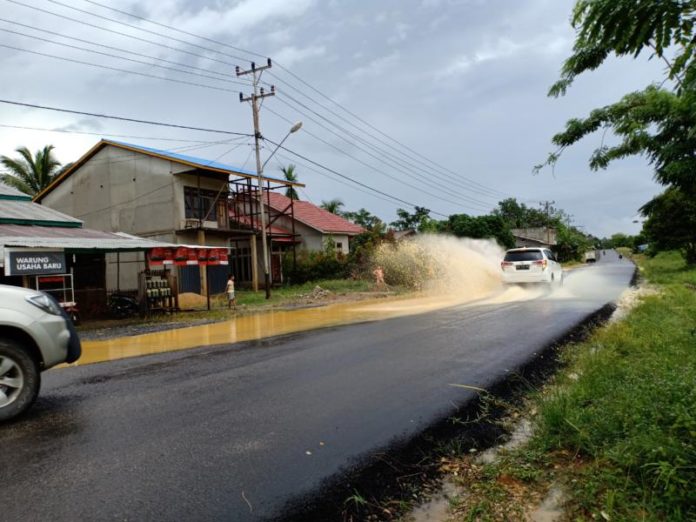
231 297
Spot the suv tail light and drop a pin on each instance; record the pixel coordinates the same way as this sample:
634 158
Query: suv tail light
503 264
542 262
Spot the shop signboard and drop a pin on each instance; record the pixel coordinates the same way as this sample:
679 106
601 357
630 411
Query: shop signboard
34 262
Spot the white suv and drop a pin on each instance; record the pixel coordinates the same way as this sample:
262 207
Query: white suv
531 265
35 334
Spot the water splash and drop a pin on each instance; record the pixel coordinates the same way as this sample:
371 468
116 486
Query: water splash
443 265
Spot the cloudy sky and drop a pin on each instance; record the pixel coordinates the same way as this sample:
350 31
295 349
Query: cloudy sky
454 92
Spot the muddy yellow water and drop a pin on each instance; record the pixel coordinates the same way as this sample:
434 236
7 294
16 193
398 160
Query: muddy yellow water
258 326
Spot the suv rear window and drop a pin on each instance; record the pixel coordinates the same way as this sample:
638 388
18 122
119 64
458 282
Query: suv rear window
524 255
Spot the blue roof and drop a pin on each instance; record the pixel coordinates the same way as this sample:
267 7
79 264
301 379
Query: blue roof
200 162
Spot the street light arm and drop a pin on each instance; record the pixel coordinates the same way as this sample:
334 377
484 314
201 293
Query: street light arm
263 167
294 129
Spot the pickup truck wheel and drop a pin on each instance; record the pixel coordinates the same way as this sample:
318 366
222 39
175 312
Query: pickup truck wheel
20 379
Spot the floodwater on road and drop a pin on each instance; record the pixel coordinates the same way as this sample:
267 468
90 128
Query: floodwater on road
584 283
259 326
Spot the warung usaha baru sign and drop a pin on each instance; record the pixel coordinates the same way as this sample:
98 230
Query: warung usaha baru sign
33 262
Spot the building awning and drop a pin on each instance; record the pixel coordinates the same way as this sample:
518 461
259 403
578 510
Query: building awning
72 239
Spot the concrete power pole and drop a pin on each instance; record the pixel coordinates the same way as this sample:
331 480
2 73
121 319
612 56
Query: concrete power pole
547 211
254 98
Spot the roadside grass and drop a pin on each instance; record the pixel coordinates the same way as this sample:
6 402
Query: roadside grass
616 429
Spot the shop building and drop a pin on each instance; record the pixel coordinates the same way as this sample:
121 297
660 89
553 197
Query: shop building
48 250
165 197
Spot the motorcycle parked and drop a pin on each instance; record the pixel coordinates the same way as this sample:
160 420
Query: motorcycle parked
123 306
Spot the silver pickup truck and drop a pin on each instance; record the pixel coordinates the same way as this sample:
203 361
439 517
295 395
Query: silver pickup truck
35 335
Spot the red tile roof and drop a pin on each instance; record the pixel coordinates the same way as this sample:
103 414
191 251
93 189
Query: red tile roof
315 217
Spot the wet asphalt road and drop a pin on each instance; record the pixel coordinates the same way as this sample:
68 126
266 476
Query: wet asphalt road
234 432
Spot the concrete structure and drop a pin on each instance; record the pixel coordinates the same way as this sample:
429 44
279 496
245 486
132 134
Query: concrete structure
154 194
72 253
534 237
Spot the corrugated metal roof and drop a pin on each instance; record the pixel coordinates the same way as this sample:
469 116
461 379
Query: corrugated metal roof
33 212
201 163
72 238
6 190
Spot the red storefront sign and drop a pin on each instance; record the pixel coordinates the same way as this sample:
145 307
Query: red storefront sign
180 256
185 256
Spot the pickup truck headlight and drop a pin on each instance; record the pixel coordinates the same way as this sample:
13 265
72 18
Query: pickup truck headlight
44 302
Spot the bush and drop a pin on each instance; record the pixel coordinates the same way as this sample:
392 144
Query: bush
313 266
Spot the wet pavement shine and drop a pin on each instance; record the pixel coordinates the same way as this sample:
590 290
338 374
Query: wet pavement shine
259 326
244 432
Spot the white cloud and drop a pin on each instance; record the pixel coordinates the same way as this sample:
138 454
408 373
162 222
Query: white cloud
400 33
244 15
289 56
376 66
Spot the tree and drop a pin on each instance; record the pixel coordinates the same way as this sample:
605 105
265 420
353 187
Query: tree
519 215
671 222
418 220
658 122
480 227
31 173
333 206
365 219
290 175
571 244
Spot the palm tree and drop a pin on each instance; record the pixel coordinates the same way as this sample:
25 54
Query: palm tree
333 206
31 174
289 173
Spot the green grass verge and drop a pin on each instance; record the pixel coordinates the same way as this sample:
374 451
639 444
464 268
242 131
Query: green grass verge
617 427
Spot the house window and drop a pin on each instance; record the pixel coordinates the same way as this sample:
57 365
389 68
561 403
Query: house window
339 246
198 203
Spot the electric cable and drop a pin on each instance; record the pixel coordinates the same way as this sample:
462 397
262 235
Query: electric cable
87 133
360 183
127 71
132 60
122 118
482 189
406 172
394 178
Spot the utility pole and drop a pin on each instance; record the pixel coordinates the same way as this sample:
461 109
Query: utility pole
258 94
547 211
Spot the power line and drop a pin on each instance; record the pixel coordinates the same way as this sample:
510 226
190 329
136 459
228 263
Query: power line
488 192
127 71
104 46
122 118
464 182
337 180
328 169
475 186
93 51
130 136
395 178
112 31
239 49
106 18
471 199
280 66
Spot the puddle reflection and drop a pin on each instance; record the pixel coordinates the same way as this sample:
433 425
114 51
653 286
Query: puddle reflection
258 326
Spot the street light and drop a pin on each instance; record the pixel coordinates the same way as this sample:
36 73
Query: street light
292 130
264 238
